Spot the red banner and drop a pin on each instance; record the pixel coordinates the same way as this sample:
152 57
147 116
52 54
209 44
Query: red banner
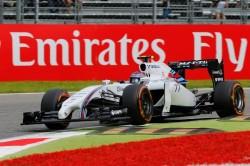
95 52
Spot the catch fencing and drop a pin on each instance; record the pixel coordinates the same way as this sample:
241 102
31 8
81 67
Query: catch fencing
123 11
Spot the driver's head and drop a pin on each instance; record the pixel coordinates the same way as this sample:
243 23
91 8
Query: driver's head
136 77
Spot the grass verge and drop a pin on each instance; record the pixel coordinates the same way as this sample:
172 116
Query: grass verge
29 86
209 149
83 141
96 140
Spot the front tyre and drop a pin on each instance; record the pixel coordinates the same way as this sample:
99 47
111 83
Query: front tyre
229 99
138 100
52 101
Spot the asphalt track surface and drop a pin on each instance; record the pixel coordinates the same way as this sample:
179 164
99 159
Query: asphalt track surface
12 107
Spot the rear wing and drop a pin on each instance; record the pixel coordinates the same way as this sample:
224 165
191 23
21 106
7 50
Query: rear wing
215 69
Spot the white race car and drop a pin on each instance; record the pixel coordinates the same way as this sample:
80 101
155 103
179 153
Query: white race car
156 91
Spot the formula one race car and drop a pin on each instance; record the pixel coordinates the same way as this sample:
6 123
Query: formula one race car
156 91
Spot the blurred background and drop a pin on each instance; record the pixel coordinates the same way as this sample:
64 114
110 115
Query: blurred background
125 11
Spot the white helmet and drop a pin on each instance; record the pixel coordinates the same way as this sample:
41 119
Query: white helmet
136 77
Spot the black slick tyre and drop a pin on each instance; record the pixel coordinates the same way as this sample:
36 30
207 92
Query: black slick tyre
138 100
52 101
229 99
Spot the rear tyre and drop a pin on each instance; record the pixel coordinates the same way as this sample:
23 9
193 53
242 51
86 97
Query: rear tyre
138 100
52 101
229 99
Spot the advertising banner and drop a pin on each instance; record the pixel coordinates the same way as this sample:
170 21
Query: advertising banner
96 52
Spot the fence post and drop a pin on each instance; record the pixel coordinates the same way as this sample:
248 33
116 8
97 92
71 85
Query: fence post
246 8
78 7
1 11
18 11
190 11
135 11
154 12
244 15
36 11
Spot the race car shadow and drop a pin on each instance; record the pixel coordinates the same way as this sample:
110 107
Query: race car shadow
183 119
115 124
124 127
152 130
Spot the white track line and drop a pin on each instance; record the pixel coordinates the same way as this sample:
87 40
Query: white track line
51 136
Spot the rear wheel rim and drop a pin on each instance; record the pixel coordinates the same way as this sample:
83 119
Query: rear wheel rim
239 99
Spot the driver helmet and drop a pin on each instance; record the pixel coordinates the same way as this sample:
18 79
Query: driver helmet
136 77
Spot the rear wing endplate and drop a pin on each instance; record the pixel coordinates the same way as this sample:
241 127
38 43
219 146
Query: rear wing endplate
215 69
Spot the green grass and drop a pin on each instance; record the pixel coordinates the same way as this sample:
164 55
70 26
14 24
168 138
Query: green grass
208 83
95 140
28 86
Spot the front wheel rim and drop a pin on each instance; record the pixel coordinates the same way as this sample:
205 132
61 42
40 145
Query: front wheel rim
146 105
